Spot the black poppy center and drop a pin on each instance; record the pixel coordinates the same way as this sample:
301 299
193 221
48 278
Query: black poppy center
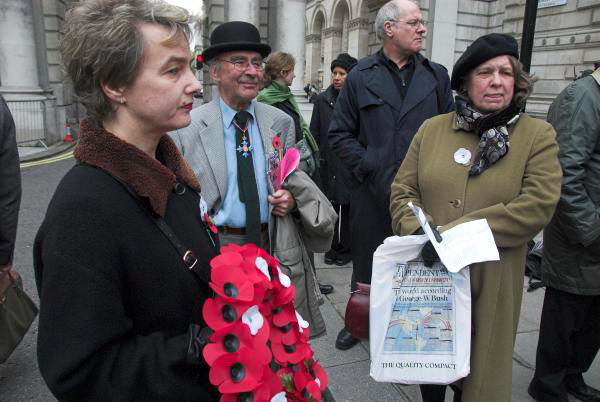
289 348
231 343
228 313
237 372
230 290
245 397
285 329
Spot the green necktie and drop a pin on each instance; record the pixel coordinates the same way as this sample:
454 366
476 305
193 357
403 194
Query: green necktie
246 177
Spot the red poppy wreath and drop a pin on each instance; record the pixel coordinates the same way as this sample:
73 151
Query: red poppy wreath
259 350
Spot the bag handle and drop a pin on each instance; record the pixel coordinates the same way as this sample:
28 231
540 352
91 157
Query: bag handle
8 277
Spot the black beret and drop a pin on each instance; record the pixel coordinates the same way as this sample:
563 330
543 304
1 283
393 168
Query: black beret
345 61
484 48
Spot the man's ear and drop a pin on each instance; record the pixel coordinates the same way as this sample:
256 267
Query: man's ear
387 28
214 73
114 94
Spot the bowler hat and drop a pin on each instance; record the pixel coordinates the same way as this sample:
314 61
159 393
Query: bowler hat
235 35
484 48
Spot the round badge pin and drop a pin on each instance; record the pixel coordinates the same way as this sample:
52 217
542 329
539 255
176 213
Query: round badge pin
462 156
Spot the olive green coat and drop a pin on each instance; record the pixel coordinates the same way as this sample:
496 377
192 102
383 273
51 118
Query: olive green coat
517 195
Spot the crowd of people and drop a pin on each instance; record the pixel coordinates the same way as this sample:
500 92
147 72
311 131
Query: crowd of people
122 258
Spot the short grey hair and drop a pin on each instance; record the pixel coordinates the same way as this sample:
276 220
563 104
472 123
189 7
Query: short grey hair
101 43
388 12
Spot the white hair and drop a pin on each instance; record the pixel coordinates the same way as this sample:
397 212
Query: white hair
388 12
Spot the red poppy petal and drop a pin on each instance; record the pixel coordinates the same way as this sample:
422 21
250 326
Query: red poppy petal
213 311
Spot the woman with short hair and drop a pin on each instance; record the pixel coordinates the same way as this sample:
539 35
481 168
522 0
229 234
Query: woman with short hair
277 79
488 160
120 311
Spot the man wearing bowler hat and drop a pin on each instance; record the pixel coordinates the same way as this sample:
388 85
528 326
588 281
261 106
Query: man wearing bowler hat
232 147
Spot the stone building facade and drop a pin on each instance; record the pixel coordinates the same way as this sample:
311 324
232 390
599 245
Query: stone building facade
31 79
567 36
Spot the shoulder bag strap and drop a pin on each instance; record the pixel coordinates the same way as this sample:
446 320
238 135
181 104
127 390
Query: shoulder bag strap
188 257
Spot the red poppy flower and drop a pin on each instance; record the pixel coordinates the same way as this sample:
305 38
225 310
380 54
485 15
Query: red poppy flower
294 353
269 388
220 313
301 376
313 389
231 339
276 142
284 315
320 375
288 334
210 224
237 372
232 284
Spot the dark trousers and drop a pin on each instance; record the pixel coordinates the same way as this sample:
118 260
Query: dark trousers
340 245
569 340
437 393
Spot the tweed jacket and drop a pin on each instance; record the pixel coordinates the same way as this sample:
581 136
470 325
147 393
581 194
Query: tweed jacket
517 195
202 144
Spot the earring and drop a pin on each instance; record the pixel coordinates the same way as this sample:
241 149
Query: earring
122 100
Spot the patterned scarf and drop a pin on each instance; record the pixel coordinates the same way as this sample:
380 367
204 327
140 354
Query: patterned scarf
491 129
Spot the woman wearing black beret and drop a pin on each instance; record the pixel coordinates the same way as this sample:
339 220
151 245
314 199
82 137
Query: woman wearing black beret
488 160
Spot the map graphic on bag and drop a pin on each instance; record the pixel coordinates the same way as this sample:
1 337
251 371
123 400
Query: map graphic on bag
17 312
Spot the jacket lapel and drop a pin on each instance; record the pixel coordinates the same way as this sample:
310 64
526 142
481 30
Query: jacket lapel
421 85
382 85
267 131
213 141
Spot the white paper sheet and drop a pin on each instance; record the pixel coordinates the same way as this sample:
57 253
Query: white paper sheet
462 245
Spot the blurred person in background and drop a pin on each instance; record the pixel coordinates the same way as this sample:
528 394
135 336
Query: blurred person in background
335 179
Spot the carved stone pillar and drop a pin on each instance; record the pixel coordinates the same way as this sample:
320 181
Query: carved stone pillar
332 41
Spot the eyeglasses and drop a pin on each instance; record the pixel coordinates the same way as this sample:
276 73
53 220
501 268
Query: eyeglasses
413 23
242 65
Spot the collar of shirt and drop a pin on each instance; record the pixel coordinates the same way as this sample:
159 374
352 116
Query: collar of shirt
228 113
390 64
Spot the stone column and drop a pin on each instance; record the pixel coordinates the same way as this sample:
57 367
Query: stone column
358 37
442 31
289 37
18 69
313 57
332 41
243 10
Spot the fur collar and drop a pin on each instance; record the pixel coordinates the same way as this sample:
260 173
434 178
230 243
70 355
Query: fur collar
148 177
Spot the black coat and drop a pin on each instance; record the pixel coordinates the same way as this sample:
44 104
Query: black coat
371 129
10 184
116 301
335 178
571 260
287 108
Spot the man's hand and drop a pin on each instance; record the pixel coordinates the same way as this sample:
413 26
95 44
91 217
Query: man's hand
283 202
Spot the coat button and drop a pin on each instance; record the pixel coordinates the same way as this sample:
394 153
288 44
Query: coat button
456 203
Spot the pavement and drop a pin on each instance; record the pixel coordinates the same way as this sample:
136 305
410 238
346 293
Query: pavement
349 370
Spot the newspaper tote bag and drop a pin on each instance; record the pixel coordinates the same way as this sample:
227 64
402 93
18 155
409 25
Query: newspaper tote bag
420 317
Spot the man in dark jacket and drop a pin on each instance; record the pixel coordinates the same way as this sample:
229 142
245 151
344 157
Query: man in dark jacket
570 325
334 178
386 98
10 186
